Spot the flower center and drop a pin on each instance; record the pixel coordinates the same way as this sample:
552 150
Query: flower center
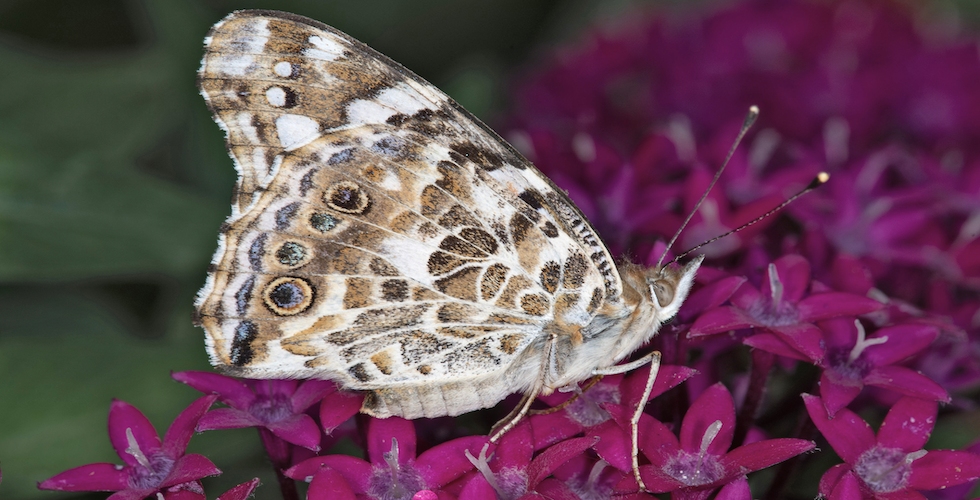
700 468
512 483
151 471
398 481
585 409
773 311
594 486
271 408
886 469
850 363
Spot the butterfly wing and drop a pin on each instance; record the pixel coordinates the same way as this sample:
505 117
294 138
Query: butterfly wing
380 235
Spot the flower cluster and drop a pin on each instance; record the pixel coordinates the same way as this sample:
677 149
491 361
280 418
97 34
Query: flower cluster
861 301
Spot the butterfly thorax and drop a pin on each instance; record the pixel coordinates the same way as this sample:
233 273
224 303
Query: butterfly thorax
651 296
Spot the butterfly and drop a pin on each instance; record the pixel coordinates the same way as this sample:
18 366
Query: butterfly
383 237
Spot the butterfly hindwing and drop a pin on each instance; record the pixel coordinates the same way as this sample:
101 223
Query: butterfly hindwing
380 235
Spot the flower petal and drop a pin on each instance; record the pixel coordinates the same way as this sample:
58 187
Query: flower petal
546 462
339 407
846 432
227 418
830 478
329 484
183 494
240 492
188 468
908 424
380 432
299 429
655 479
553 489
230 391
357 472
91 477
837 394
903 341
478 489
770 342
656 441
714 404
943 468
311 392
515 449
613 445
735 490
123 416
710 297
721 319
804 337
906 381
835 304
762 454
551 428
132 494
447 461
847 488
182 429
668 377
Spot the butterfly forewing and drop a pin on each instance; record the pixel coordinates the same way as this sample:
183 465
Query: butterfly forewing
380 235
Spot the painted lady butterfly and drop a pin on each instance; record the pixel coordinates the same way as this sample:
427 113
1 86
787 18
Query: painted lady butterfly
383 237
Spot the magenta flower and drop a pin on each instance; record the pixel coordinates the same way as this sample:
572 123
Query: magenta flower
513 472
851 360
152 467
393 472
891 465
240 492
586 410
786 305
699 462
276 405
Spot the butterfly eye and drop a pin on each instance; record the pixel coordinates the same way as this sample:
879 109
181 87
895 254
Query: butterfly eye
663 291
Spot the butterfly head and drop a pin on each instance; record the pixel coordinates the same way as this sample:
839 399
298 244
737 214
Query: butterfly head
668 286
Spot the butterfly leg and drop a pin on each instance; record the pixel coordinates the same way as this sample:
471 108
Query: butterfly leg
654 359
515 416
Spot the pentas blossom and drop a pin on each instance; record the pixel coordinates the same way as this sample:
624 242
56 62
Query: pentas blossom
851 359
152 466
891 464
586 410
394 471
513 471
786 305
277 405
699 461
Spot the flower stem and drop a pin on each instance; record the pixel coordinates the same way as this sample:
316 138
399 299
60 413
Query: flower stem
279 454
762 362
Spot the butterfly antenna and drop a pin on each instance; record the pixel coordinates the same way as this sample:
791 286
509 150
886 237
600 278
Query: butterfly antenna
821 178
749 120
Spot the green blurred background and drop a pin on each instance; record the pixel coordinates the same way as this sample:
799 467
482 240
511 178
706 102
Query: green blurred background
114 180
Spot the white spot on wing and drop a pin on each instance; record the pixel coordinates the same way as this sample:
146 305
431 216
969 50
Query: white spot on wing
402 99
283 69
296 131
276 96
323 48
